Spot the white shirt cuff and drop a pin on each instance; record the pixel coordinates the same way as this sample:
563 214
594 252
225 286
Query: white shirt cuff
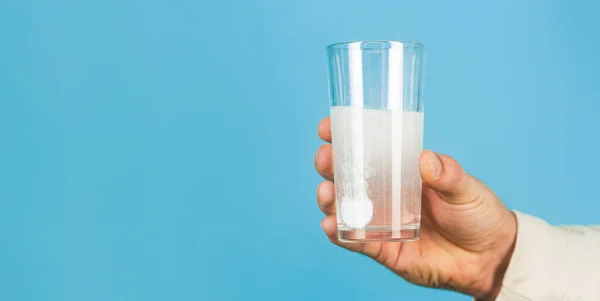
552 263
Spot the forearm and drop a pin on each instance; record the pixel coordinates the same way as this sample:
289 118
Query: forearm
552 263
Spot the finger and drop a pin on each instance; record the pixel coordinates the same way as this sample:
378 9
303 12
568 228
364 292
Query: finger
326 197
324 162
329 226
444 175
325 129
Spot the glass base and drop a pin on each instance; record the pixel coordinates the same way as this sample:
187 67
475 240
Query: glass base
379 235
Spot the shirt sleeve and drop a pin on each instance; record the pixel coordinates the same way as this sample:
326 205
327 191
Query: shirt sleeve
552 263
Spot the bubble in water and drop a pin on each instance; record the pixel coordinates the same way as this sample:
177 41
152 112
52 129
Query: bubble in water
356 213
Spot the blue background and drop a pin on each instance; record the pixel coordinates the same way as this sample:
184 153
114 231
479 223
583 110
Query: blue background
163 149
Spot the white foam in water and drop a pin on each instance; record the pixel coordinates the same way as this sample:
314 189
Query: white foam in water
376 156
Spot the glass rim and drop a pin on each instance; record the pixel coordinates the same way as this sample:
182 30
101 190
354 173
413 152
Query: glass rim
350 44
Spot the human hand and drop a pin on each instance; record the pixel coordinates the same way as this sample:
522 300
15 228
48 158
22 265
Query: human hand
467 234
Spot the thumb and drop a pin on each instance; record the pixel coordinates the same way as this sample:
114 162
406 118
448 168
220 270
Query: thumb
444 175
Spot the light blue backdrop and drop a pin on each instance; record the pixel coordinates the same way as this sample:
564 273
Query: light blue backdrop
163 149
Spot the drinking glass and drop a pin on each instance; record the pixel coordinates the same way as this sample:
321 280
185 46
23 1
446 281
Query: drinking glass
377 132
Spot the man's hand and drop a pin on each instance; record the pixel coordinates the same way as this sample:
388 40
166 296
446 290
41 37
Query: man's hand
467 234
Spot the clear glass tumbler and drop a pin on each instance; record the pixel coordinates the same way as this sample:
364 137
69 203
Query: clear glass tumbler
377 133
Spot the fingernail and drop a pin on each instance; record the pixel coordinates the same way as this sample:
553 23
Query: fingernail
436 164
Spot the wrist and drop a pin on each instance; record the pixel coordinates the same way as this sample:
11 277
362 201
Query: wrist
495 261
